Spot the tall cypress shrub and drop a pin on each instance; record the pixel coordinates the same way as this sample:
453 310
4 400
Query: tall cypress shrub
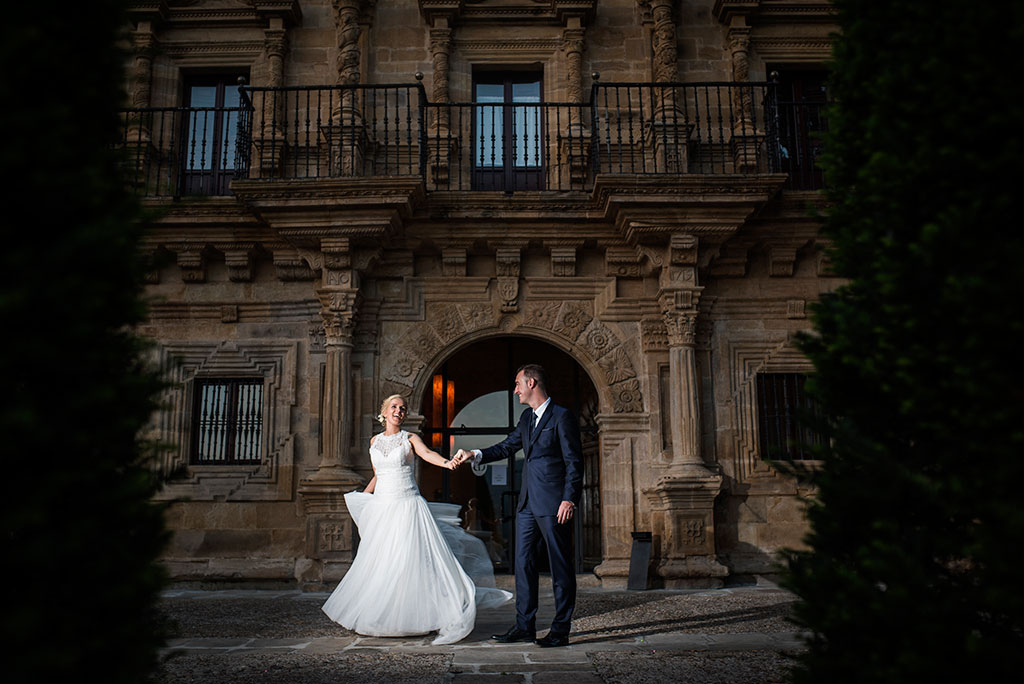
914 566
79 532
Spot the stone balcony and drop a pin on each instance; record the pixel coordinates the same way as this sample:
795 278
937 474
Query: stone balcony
321 133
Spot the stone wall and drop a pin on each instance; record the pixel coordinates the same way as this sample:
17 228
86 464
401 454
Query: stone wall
671 293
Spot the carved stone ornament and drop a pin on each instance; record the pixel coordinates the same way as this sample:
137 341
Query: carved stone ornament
681 328
626 397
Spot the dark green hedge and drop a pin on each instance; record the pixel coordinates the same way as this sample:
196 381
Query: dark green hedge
915 562
79 532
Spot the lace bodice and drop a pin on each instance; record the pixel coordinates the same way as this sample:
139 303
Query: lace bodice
392 458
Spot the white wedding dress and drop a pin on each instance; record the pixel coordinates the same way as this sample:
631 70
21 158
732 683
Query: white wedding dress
416 569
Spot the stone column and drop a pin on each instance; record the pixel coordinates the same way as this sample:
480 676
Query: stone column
745 136
667 137
272 134
663 42
143 42
442 145
682 502
348 137
329 527
574 144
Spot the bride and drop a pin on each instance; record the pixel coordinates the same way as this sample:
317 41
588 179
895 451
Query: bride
411 575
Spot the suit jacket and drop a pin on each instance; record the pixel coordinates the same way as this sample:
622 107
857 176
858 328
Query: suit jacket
553 471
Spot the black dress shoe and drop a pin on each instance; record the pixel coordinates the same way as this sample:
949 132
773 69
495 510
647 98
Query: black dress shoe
514 635
553 639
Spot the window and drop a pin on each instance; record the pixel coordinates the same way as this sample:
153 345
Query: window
210 131
227 421
782 406
508 152
802 98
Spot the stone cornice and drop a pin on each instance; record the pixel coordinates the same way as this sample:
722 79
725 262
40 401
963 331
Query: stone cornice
303 211
775 11
651 209
550 12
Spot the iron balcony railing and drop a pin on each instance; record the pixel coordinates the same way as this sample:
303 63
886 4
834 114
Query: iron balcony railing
316 132
175 151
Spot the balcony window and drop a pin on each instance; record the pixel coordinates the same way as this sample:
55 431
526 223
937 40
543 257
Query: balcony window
802 97
227 421
508 152
211 129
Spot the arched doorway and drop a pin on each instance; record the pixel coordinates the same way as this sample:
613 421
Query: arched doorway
469 404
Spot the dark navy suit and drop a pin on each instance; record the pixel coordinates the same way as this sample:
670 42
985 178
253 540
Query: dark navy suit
552 473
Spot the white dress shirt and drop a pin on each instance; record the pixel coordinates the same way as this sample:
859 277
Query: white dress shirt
537 413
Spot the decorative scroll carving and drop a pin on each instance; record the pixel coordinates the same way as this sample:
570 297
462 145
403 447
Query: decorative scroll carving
143 43
440 50
347 23
572 46
275 44
664 42
507 262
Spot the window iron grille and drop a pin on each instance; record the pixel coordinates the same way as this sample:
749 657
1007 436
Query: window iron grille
783 410
227 422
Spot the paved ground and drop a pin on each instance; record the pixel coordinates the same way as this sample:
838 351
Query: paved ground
728 636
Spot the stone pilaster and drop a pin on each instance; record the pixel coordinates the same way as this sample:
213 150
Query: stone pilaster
745 137
271 143
682 502
574 141
667 136
348 134
442 145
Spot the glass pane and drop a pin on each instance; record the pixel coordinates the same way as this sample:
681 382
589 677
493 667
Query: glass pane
199 150
526 127
487 144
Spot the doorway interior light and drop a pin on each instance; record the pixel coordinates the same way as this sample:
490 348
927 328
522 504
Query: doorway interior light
446 396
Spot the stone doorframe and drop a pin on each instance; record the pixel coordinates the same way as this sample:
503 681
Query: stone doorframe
601 350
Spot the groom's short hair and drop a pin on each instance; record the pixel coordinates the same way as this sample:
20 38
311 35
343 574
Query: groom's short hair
535 371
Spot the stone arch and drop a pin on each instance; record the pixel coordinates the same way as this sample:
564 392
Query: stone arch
568 325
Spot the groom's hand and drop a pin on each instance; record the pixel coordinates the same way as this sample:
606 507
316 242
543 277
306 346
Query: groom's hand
460 457
565 511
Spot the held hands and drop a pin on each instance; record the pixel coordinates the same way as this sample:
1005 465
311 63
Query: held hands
460 457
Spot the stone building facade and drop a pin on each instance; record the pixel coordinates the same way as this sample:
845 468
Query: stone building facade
416 196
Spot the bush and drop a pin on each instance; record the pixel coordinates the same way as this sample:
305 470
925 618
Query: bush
80 534
913 571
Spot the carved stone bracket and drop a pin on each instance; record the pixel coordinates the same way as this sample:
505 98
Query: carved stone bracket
192 263
508 263
453 262
563 256
238 257
290 266
622 262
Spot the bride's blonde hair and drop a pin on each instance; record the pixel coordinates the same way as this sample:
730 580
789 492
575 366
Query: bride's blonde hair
384 407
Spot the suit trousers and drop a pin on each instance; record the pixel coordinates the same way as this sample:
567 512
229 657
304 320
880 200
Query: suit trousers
530 531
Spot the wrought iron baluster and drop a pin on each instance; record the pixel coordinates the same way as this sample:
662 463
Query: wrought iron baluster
557 171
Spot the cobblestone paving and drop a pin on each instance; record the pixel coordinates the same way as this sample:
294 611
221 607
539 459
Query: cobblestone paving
738 635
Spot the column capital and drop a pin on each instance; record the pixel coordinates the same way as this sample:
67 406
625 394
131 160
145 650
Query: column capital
338 310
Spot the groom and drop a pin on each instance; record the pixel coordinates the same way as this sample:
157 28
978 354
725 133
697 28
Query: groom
552 478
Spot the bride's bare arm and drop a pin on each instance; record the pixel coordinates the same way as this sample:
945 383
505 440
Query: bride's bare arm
428 455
